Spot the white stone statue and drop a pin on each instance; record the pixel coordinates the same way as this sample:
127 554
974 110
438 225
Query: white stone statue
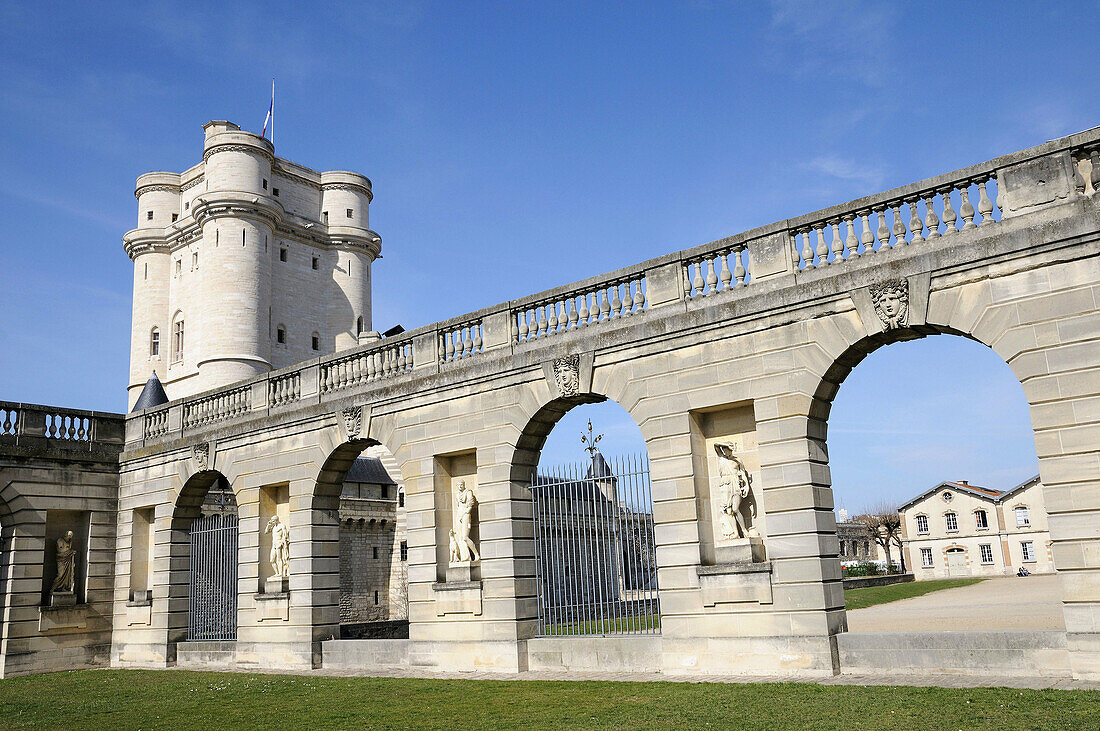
735 485
66 564
280 546
462 546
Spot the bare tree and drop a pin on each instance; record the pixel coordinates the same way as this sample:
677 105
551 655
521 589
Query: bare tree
884 524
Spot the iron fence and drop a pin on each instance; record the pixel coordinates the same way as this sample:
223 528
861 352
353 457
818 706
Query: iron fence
595 555
212 601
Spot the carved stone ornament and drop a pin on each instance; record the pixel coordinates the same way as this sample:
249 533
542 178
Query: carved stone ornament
201 453
353 421
567 374
891 301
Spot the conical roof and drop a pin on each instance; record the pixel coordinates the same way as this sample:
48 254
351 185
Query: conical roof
152 395
600 469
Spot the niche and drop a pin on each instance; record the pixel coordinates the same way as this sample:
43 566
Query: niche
449 472
274 526
141 554
58 525
727 485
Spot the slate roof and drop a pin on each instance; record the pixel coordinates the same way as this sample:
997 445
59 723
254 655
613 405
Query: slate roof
986 493
369 470
152 395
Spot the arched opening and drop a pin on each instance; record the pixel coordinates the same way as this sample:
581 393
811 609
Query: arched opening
584 462
930 449
202 599
361 486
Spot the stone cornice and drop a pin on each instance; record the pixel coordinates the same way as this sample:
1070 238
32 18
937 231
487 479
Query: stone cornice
361 189
191 183
244 205
144 241
155 188
280 170
231 147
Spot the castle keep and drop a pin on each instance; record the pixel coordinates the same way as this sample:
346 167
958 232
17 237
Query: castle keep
246 263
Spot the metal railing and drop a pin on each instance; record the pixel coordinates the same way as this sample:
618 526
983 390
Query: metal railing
595 553
212 599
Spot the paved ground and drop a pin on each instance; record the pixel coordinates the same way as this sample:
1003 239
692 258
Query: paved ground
1010 603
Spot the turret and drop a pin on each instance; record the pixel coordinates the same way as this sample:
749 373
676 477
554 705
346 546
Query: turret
345 202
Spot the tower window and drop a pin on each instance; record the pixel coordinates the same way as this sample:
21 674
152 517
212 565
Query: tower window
265 183
315 262
316 341
324 216
148 215
275 191
194 260
177 341
350 213
376 598
186 205
400 498
282 255
179 266
359 325
374 552
404 551
280 334
175 217
154 342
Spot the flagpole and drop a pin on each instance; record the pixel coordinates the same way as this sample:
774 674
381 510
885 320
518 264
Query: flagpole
273 112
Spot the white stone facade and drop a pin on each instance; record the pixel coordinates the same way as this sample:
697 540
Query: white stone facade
957 529
246 263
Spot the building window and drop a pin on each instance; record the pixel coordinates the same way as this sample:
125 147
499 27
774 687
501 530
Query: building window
265 183
179 266
154 342
175 217
350 213
324 217
194 260
842 548
922 524
987 552
177 341
1023 520
385 492
359 325
315 340
376 598
866 548
404 551
282 254
926 558
148 215
374 552
1028 549
952 521
275 191
981 519
280 334
400 498
315 263
186 205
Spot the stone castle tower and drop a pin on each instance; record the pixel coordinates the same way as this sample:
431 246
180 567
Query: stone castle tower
245 263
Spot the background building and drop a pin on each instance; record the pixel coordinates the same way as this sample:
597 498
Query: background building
245 263
959 529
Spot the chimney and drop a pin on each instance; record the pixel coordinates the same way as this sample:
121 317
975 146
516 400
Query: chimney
964 482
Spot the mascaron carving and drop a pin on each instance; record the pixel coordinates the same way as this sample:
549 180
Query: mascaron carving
891 301
201 454
567 374
353 421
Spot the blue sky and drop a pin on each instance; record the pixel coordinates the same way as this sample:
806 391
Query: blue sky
518 146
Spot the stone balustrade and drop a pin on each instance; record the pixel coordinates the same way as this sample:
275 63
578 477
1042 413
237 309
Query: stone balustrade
58 428
930 213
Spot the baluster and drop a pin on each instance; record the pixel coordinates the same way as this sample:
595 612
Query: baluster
516 318
563 321
949 216
605 308
552 320
985 206
915 225
850 240
899 225
966 210
356 370
522 315
616 303
402 360
697 282
573 312
1094 174
1078 178
639 296
687 280
727 276
628 301
807 250
866 236
712 278
836 245
883 230
822 247
478 342
450 345
931 222
584 314
738 268
368 368
468 342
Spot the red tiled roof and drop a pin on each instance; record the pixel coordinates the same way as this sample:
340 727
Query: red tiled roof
984 490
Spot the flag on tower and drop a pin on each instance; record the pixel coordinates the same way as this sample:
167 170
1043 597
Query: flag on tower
270 119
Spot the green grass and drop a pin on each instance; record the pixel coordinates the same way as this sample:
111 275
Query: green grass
606 626
179 700
872 595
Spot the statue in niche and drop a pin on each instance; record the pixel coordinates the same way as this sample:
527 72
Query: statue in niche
280 546
891 301
735 485
462 546
66 564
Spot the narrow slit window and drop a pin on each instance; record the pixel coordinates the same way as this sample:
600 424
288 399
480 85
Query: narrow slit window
280 335
154 342
282 255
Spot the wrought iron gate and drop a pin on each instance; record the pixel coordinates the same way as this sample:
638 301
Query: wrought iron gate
595 556
212 602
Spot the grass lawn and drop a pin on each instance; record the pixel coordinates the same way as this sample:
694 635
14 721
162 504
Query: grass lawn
650 623
872 595
176 699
